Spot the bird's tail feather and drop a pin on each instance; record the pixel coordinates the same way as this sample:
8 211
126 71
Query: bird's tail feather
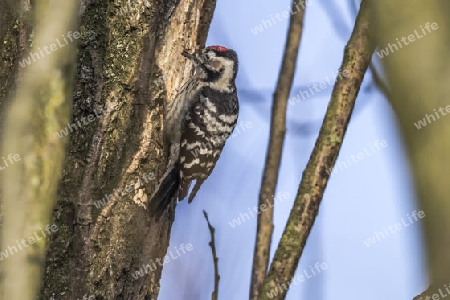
167 191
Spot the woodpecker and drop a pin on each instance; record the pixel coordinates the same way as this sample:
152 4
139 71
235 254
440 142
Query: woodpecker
197 123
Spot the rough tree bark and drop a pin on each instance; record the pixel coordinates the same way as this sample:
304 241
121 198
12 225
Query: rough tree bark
128 64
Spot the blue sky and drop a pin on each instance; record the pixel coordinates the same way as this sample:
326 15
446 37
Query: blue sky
367 197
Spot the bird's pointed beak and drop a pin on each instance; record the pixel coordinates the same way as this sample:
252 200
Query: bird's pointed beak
192 57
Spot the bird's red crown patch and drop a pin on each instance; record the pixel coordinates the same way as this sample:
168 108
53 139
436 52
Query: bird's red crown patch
218 48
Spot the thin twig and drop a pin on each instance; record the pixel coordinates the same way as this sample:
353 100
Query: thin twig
212 244
356 60
273 159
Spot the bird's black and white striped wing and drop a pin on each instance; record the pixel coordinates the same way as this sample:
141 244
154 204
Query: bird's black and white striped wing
207 127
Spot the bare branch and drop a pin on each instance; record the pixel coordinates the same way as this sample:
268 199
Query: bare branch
212 244
356 60
273 159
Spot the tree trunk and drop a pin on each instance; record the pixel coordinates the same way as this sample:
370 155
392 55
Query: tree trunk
418 75
128 67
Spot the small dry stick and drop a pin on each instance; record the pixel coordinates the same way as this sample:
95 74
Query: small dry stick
212 244
273 159
357 56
